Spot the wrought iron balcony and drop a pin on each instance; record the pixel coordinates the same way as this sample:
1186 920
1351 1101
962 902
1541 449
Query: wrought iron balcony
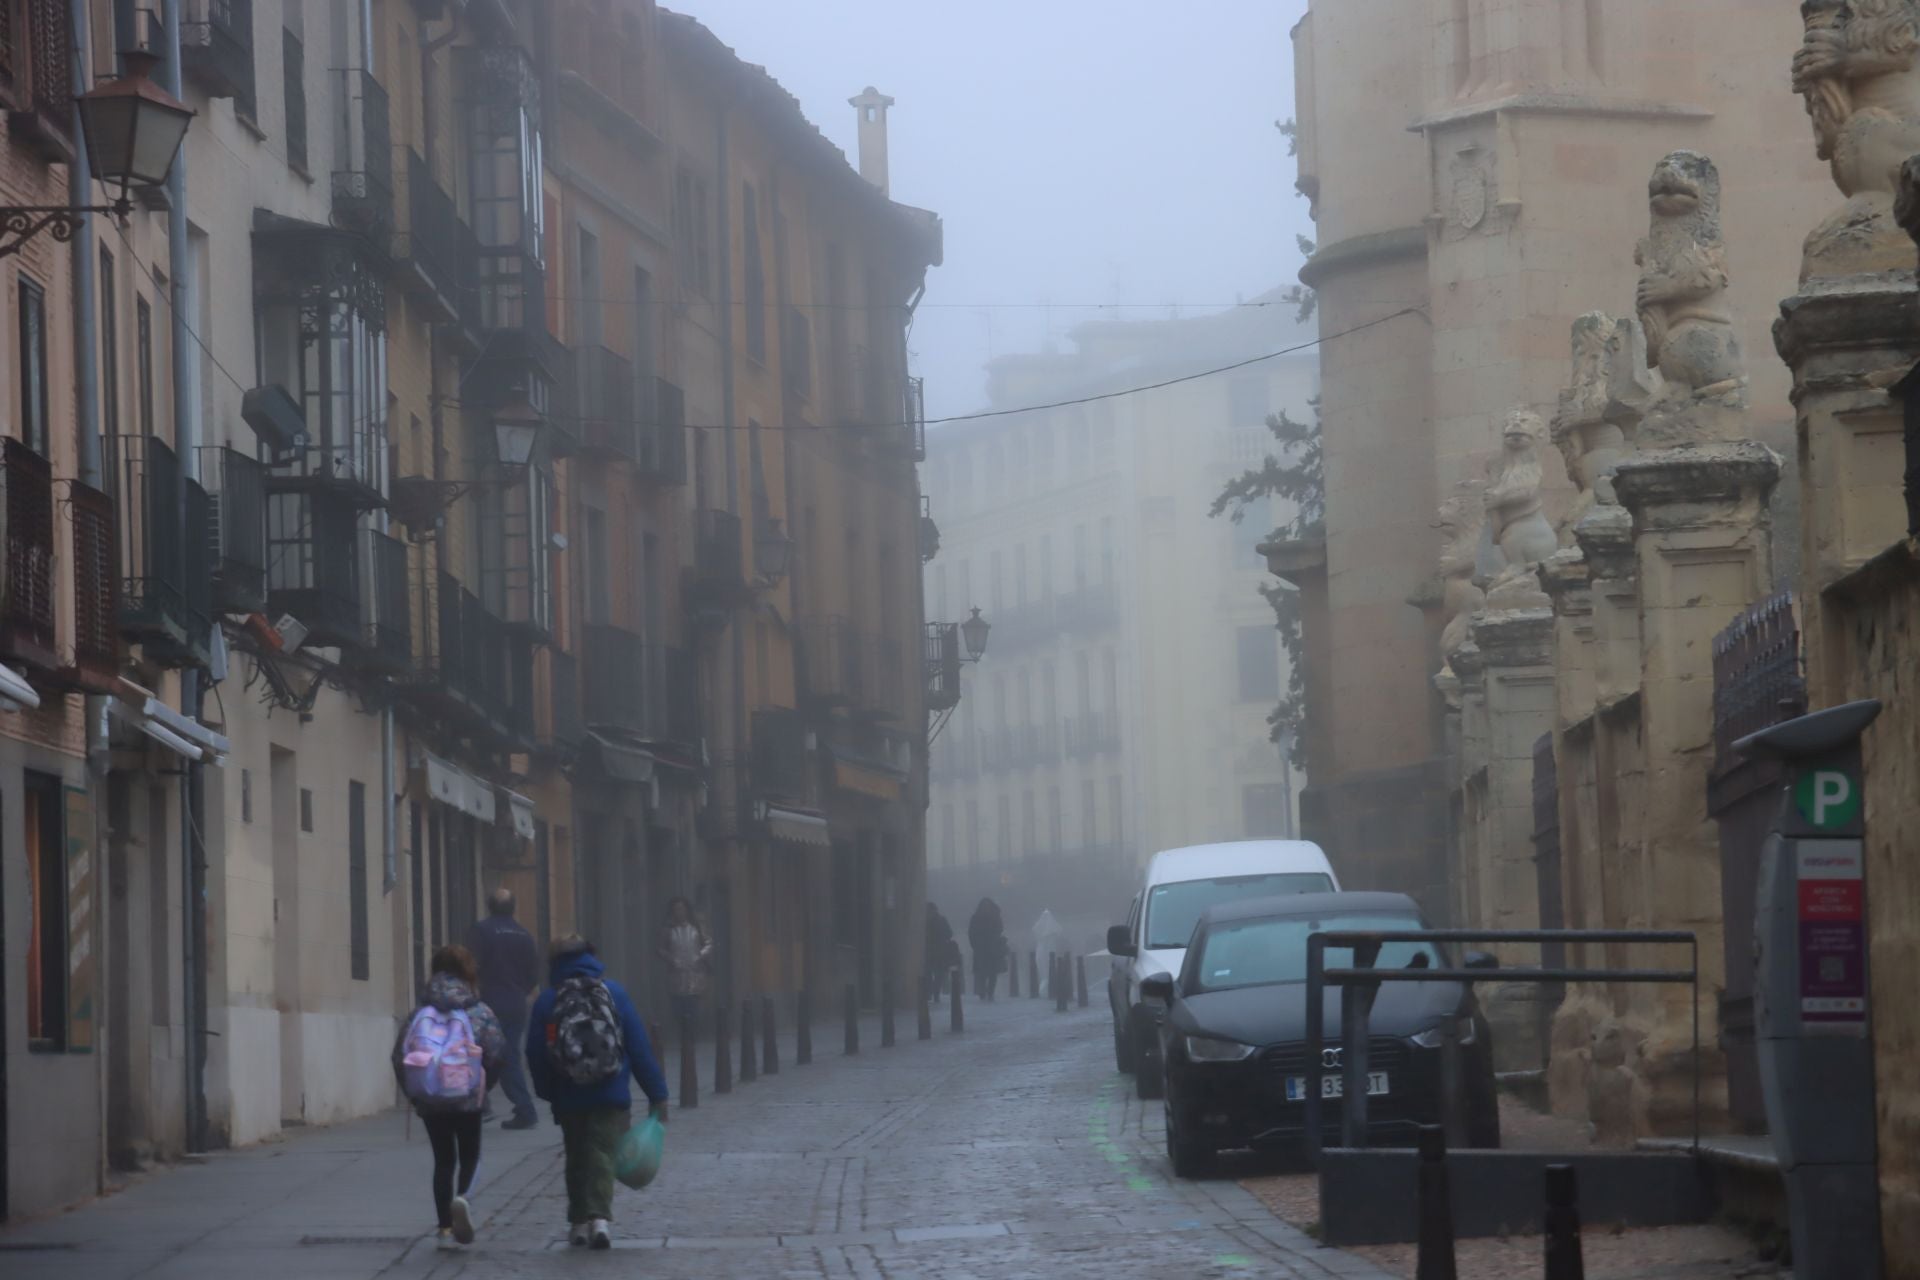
388 611
46 123
716 581
350 465
940 657
216 49
607 425
313 569
96 592
237 527
432 245
26 591
615 683
155 603
363 188
908 437
781 765
467 668
661 448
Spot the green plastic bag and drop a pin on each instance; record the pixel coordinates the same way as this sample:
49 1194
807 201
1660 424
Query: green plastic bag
636 1161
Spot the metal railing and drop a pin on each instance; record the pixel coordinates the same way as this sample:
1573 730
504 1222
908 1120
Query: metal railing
566 724
26 592
237 526
50 59
363 187
96 587
614 669
941 661
1364 979
216 49
153 600
387 610
432 239
607 425
717 549
660 450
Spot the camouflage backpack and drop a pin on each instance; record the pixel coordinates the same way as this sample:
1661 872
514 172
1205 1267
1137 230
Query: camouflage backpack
583 1036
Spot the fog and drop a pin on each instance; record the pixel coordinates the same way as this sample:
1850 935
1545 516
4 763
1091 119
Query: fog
1111 152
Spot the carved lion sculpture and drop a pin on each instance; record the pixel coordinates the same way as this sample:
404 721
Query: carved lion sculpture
1682 298
1516 523
1460 596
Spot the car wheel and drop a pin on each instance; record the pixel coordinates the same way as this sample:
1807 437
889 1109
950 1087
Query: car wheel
1147 1068
1189 1159
1122 1051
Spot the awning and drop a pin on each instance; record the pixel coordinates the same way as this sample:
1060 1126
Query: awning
865 781
15 693
797 825
178 733
521 810
620 762
455 787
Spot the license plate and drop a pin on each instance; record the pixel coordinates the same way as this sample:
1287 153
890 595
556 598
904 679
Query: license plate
1334 1085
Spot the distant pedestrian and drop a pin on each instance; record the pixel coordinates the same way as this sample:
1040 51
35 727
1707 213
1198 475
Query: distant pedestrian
939 943
583 1040
988 936
686 949
446 1059
509 975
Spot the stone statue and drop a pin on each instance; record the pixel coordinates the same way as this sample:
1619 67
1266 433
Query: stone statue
1588 440
1858 67
1516 523
1461 516
1682 303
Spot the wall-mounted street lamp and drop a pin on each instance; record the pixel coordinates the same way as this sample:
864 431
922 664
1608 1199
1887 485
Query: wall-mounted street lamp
133 131
974 633
772 552
516 431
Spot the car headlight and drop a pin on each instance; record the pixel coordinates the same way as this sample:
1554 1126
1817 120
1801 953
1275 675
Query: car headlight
1433 1037
1208 1049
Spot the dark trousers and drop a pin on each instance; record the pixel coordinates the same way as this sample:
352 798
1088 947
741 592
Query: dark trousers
455 1136
591 1136
513 1073
986 976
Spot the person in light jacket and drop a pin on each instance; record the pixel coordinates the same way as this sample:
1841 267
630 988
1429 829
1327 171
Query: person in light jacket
592 1117
686 949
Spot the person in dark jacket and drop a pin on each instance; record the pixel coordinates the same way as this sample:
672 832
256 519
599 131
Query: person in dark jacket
453 1129
988 937
592 1117
509 975
939 942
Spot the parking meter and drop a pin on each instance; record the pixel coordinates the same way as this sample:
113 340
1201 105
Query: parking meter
1811 1001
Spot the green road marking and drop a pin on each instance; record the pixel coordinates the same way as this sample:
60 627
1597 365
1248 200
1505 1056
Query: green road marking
1138 1183
1232 1260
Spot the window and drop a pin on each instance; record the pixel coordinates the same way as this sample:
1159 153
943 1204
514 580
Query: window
1083 678
643 324
1247 402
1005 847
1020 574
692 232
1107 550
1079 557
306 810
357 945
599 573
1115 809
973 830
949 849
755 287
1049 707
246 795
1046 566
1055 836
587 287
322 335
1042 455
33 366
47 921
996 599
796 358
1259 664
143 357
1089 817
109 345
293 65
1029 826
505 199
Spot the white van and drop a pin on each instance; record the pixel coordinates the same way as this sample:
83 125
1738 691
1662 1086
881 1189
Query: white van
1180 884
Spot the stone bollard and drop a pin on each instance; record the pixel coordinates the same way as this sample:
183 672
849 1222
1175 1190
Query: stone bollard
1080 981
1013 976
803 1030
852 1003
886 1013
1058 970
958 1021
1435 1260
689 1067
1033 975
747 1073
769 1042
722 1063
1564 1260
926 1009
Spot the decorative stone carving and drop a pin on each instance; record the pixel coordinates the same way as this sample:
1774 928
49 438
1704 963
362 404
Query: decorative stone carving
1517 526
1682 303
1589 440
1461 516
1858 67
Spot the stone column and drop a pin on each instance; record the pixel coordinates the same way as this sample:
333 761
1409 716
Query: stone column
1468 785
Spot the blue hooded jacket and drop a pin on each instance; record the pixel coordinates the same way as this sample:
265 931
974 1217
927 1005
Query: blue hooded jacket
562 1093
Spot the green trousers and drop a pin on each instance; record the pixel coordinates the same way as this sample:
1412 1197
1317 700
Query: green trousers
591 1138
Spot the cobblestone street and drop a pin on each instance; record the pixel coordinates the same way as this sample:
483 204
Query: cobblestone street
1011 1151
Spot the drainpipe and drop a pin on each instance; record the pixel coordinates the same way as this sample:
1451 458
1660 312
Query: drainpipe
389 808
738 898
186 438
86 350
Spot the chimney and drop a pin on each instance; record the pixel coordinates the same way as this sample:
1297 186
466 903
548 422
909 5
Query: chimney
872 106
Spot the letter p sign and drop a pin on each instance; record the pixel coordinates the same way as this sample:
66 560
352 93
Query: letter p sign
1827 797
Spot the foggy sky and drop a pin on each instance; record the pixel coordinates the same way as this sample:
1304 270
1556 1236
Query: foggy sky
1080 151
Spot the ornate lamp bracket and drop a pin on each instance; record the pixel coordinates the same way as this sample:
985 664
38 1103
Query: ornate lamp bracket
24 222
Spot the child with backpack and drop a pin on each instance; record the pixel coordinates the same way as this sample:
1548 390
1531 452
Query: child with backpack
584 1038
445 1060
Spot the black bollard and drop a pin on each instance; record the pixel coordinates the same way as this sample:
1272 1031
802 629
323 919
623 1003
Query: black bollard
1564 1261
1013 976
958 1021
1033 975
925 1019
1080 981
852 1002
1060 981
747 1072
886 1013
769 1043
1436 1260
689 1067
803 1032
722 1063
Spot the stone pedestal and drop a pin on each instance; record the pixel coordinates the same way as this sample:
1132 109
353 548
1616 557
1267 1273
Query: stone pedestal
1702 540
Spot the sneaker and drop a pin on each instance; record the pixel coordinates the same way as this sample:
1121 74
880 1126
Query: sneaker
443 1241
601 1234
522 1122
462 1220
577 1235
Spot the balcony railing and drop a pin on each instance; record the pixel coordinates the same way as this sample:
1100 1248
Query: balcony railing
661 448
388 611
47 123
615 671
433 244
363 188
313 568
603 399
216 50
237 527
96 591
352 464
565 723
910 436
780 762
155 603
940 658
26 592
468 667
